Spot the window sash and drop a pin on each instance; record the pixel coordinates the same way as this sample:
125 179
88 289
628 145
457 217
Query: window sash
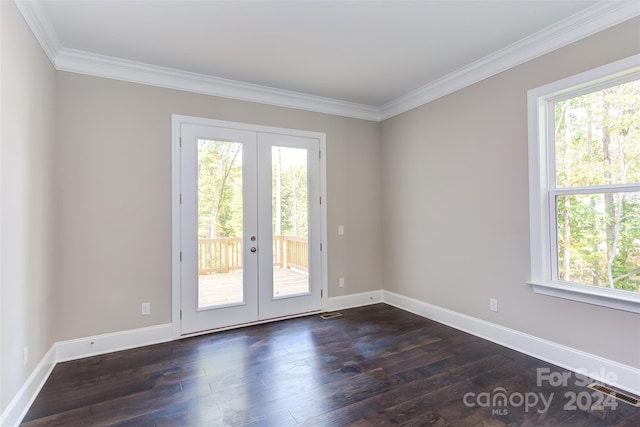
553 219
596 189
547 128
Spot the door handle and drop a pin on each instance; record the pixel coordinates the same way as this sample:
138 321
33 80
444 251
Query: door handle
253 249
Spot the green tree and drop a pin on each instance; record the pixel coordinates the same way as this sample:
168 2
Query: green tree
219 189
290 187
598 144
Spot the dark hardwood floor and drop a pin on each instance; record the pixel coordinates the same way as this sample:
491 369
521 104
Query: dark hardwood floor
375 365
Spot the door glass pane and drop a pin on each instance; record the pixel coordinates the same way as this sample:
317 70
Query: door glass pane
219 223
290 217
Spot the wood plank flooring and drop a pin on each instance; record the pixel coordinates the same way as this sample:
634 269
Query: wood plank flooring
375 365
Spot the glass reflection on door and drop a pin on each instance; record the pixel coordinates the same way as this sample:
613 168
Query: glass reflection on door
220 281
290 218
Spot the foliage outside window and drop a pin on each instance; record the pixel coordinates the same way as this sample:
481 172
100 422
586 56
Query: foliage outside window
585 183
220 190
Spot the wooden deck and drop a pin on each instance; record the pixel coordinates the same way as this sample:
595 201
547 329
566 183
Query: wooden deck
222 289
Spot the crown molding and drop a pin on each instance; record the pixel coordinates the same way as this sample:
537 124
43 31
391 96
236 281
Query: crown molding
599 17
136 72
41 27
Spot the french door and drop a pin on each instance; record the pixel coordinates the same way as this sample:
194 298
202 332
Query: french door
250 226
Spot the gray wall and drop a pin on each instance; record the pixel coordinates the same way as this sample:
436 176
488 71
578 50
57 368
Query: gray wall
27 87
113 189
456 212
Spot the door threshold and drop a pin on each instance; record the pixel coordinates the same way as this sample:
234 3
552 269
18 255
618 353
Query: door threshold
244 325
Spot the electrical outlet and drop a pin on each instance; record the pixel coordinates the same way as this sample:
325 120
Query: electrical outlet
146 308
341 282
493 304
340 230
25 355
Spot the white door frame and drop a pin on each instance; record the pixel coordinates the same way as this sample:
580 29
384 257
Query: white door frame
176 236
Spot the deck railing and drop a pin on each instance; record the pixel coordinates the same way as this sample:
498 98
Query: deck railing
224 255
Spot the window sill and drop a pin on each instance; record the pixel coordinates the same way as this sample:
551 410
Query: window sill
612 298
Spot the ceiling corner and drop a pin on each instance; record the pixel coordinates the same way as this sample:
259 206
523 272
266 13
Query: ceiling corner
599 17
41 27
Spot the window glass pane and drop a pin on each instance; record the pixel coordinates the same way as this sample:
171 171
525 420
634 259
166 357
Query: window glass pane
290 217
599 239
219 223
597 137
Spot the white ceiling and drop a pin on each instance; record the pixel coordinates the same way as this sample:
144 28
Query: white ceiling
372 53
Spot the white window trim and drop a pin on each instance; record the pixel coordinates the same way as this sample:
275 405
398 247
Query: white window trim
540 166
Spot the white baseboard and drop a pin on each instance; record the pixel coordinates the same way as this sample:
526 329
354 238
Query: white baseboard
596 367
354 300
76 349
116 341
21 402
